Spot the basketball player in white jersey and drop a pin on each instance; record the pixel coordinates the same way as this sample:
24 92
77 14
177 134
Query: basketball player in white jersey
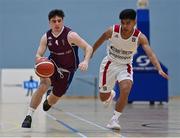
124 39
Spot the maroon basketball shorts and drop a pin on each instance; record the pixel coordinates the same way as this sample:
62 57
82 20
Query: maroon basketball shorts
60 83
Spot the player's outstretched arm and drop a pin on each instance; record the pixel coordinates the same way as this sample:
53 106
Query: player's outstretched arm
105 36
74 38
143 41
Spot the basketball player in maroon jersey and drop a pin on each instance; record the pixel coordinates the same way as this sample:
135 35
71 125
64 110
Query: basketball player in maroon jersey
117 65
63 45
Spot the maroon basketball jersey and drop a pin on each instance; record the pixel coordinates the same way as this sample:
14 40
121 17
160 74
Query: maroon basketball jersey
61 52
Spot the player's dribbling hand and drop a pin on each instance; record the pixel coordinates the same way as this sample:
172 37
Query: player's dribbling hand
38 59
83 66
163 74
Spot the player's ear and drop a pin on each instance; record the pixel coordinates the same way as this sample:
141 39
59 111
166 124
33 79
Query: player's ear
134 22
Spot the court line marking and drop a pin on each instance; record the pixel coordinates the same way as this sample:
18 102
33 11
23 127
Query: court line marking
2 126
66 125
87 121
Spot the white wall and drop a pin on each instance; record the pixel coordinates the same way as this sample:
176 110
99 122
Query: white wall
12 90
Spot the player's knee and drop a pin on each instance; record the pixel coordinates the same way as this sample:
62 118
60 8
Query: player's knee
125 87
44 85
104 96
52 99
52 102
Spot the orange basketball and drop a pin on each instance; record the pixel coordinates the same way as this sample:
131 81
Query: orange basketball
44 68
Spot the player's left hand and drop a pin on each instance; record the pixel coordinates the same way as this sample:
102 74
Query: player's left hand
83 66
163 74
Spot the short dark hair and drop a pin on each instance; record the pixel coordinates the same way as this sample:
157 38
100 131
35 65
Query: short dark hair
56 12
127 14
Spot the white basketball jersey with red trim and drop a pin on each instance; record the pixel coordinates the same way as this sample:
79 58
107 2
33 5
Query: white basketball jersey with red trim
122 50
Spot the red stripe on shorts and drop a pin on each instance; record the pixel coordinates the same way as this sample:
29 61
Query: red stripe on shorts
105 72
129 68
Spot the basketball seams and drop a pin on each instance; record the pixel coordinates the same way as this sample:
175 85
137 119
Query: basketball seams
42 65
43 62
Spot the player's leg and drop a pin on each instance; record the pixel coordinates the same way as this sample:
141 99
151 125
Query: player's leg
35 101
125 88
49 91
51 100
125 79
37 96
107 77
60 87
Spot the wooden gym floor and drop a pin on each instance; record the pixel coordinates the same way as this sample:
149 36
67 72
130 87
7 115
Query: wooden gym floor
83 117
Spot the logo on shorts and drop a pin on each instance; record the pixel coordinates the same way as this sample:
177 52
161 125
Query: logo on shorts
128 76
116 36
104 88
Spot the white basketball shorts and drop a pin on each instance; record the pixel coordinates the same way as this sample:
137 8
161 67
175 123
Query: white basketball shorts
110 72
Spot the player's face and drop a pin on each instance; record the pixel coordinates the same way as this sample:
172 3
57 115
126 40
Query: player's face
56 23
127 25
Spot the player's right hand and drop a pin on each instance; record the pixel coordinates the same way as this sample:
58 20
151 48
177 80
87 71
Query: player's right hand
83 66
38 59
163 74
